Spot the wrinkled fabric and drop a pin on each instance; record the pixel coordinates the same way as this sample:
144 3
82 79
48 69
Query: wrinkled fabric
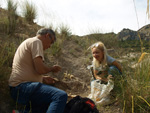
39 98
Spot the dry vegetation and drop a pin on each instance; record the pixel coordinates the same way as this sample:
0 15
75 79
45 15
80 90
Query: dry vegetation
70 51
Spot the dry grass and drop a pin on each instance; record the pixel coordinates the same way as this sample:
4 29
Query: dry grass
29 12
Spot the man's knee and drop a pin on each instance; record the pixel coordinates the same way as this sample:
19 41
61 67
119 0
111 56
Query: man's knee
63 96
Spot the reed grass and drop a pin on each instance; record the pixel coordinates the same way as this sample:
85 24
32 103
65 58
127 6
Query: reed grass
137 96
6 58
29 12
65 32
135 91
142 57
12 16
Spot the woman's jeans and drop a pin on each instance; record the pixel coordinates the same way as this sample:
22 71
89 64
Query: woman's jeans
39 98
114 71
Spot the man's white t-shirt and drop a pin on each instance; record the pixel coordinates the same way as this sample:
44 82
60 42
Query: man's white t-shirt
23 69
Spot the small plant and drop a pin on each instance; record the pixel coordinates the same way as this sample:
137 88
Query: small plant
65 32
55 48
3 25
6 59
29 12
12 16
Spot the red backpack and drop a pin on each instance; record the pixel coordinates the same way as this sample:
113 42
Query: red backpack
79 104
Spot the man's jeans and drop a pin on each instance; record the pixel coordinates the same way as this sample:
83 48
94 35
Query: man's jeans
39 98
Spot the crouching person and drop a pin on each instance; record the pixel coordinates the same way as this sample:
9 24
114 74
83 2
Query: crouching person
105 70
27 84
104 66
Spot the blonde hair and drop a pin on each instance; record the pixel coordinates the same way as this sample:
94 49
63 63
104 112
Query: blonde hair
99 46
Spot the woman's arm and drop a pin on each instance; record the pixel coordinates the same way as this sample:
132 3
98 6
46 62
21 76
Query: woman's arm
95 75
101 76
118 65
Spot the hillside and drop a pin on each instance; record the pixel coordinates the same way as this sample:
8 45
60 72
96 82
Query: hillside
128 34
70 52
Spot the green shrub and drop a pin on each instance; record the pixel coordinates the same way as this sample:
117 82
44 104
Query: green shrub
65 32
55 49
3 24
29 12
6 58
12 16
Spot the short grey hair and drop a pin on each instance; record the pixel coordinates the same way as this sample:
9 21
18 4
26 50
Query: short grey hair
44 31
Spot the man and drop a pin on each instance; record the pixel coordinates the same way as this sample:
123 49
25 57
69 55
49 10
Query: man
26 81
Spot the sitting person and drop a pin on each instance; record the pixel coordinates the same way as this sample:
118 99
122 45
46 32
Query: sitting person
103 64
27 84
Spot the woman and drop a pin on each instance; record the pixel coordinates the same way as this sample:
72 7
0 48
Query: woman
104 66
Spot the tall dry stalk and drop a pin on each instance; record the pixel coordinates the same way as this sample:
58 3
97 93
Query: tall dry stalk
147 11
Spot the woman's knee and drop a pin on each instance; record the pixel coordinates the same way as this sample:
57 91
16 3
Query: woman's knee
113 70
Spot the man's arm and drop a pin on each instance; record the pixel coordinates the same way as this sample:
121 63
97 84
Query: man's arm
41 68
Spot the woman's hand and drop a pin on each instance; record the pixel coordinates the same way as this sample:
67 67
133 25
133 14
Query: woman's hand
105 79
110 77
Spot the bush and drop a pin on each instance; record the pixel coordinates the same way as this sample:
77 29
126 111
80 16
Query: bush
135 96
12 16
29 12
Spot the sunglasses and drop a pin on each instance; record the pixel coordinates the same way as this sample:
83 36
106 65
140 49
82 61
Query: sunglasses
94 45
52 39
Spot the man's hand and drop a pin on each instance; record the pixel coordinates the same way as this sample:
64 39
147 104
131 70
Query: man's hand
56 68
41 68
48 80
